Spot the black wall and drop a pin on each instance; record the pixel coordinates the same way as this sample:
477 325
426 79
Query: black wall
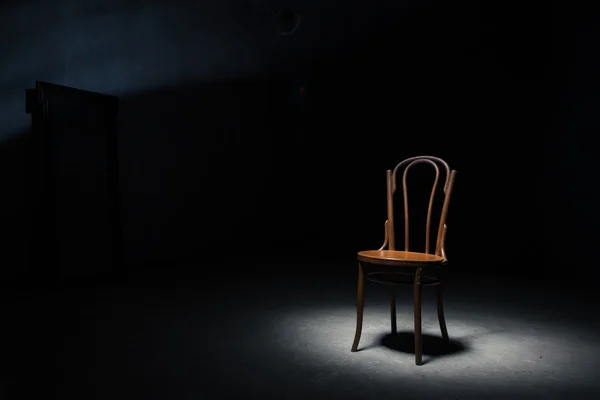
222 156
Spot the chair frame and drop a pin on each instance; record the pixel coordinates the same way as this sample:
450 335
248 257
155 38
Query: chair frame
427 269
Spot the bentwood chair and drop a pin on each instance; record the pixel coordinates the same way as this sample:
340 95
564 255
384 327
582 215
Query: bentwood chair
393 267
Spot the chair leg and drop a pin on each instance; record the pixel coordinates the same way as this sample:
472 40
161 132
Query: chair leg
417 304
359 307
393 312
440 311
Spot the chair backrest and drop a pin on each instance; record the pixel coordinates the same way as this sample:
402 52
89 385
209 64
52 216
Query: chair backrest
392 179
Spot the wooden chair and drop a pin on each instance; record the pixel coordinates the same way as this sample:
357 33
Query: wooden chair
400 267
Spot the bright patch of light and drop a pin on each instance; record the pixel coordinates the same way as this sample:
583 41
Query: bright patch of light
499 351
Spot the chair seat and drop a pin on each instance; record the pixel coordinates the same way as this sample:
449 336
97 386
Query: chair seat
400 258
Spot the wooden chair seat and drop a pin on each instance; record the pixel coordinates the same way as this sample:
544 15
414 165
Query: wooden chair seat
402 265
396 258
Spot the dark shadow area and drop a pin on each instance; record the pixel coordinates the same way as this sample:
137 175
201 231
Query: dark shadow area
434 346
16 208
19 337
27 340
201 165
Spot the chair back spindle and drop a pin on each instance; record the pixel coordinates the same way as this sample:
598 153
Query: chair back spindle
391 177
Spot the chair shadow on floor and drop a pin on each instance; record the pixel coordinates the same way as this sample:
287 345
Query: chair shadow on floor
434 347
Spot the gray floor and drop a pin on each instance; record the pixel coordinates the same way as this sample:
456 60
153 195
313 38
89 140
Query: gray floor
191 338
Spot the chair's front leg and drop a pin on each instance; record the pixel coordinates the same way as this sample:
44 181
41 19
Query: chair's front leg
359 307
417 304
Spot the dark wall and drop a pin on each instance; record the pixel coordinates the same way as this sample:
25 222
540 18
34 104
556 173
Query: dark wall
217 143
572 213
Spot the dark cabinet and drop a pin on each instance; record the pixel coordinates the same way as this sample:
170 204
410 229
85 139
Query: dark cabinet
77 225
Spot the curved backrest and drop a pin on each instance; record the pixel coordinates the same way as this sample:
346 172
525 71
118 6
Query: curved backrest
445 176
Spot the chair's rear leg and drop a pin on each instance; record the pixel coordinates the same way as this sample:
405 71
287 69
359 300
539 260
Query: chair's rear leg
393 312
417 304
359 307
440 311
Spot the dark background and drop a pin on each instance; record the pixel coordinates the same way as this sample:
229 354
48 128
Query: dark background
223 157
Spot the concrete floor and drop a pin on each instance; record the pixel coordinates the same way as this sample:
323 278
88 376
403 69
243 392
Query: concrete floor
190 337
